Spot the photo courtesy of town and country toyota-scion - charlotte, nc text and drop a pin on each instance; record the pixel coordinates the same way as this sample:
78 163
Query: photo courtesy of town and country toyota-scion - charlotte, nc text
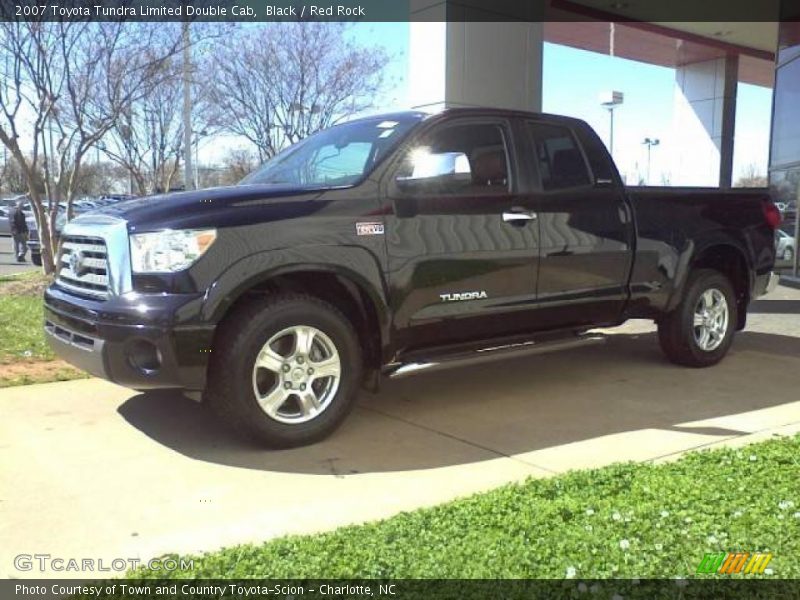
155 11
237 590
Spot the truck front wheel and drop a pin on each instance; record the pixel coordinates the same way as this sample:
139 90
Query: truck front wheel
699 332
285 370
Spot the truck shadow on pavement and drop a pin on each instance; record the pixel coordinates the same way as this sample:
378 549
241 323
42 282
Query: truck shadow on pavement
507 408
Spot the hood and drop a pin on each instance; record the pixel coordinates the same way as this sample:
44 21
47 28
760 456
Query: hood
214 207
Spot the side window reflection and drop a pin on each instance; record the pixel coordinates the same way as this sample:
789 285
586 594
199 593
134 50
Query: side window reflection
469 159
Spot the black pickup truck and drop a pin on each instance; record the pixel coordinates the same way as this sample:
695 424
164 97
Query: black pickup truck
392 244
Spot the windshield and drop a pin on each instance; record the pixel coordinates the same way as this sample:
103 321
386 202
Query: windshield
339 156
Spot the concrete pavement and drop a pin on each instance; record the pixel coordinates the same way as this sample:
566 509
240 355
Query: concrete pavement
91 470
8 262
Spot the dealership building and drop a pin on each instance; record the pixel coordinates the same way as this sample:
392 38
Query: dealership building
464 62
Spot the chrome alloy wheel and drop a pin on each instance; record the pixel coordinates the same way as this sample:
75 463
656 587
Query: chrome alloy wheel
296 374
710 320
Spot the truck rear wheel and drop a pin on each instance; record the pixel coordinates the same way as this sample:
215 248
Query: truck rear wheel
699 332
285 370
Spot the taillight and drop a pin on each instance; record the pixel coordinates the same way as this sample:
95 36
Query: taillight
771 214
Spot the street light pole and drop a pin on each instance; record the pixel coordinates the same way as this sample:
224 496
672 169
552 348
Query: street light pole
611 130
610 101
197 158
650 142
187 108
51 164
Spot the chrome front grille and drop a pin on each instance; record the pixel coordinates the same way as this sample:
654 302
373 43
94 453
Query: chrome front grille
83 267
95 260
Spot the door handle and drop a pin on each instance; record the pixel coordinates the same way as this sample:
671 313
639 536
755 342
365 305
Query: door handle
519 214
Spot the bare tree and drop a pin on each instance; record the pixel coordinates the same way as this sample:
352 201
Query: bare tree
14 180
98 178
284 81
147 138
29 83
236 165
751 177
64 86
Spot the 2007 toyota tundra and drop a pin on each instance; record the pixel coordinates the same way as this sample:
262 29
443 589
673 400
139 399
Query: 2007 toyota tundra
395 243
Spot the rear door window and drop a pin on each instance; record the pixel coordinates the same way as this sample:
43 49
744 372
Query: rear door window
559 159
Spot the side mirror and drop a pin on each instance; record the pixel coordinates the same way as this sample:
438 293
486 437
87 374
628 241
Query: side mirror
410 185
431 174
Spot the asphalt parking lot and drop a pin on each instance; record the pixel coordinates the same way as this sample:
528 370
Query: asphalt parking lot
8 262
89 469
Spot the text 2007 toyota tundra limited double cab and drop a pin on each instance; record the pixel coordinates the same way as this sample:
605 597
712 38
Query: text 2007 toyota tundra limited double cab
395 243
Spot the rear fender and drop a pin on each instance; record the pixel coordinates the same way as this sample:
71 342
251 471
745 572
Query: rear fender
694 255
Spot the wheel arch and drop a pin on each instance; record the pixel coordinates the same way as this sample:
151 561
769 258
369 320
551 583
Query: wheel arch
349 279
728 258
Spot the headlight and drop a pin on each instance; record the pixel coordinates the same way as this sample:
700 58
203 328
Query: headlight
169 250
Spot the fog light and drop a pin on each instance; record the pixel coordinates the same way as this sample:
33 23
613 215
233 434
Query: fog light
144 356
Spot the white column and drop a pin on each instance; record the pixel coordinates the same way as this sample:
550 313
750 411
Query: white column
474 64
704 121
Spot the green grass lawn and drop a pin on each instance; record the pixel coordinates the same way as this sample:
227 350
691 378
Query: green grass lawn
25 356
21 335
623 521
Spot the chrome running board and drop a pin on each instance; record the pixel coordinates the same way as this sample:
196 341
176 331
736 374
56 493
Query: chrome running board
491 353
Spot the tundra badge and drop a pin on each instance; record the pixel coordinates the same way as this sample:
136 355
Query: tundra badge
456 296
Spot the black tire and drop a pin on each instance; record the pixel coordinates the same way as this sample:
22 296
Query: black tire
242 337
36 259
676 331
788 255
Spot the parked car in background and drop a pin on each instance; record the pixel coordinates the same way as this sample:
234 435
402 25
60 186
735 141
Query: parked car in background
5 226
113 198
9 202
785 247
83 205
34 245
6 204
788 209
79 207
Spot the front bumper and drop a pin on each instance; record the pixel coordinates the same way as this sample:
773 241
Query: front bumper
135 340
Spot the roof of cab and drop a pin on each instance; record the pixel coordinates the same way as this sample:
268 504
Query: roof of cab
469 111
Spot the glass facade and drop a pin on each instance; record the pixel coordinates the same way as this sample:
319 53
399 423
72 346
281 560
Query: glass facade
785 124
785 148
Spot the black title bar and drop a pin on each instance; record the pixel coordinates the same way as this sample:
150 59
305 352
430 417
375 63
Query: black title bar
401 589
399 10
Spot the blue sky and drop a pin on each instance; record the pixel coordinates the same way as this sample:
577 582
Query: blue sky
574 78
572 81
